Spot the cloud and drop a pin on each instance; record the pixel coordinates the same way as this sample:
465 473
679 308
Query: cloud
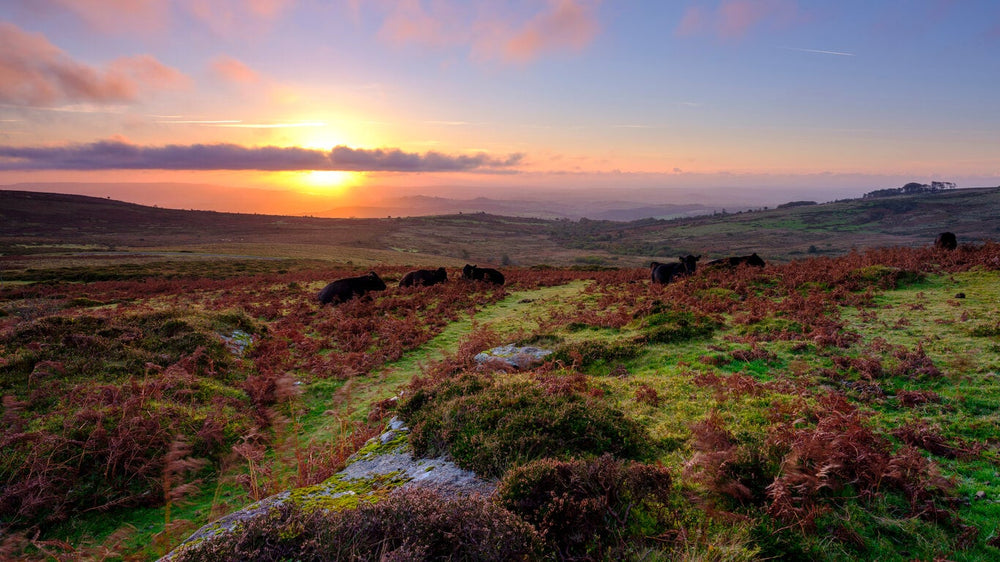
142 17
345 158
489 32
407 22
119 155
35 72
237 123
148 73
569 25
232 18
228 69
734 19
109 16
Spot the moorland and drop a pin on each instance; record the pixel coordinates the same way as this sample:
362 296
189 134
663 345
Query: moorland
161 368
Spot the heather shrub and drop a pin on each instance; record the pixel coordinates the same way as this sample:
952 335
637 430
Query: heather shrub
598 352
407 525
488 424
885 276
92 405
590 509
93 347
673 326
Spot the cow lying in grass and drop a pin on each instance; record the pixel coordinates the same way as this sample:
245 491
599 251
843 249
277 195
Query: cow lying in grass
946 241
425 277
664 273
736 261
343 290
474 273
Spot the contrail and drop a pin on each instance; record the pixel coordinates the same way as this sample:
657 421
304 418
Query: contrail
838 53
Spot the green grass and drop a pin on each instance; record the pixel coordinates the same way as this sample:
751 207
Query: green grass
331 408
668 369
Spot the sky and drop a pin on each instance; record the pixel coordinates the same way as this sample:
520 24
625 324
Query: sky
491 97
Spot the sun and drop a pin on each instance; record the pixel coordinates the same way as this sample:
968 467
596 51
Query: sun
326 181
327 178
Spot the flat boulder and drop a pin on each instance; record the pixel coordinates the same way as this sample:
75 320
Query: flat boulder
514 356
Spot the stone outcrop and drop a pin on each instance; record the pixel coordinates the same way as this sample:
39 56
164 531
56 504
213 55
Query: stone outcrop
384 464
513 356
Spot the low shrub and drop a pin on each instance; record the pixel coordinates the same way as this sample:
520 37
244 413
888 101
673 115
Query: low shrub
673 326
929 438
914 398
886 277
597 352
407 525
841 458
736 473
488 424
647 395
590 509
92 405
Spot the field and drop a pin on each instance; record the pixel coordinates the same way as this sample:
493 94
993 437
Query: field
836 407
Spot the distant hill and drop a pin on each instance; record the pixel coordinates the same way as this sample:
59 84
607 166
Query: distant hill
422 205
544 204
188 196
34 222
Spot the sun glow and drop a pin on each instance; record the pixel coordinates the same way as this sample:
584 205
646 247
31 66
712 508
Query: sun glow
325 181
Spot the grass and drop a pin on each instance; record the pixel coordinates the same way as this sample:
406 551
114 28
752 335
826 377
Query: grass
509 317
761 356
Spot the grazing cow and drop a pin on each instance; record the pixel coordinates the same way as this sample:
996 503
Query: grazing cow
487 274
664 273
946 241
343 290
735 261
426 277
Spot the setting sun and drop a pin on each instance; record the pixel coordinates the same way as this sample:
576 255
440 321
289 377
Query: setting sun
326 180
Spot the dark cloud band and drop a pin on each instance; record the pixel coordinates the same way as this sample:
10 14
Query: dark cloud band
114 155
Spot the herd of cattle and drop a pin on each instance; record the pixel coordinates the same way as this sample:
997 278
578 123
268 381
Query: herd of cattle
343 290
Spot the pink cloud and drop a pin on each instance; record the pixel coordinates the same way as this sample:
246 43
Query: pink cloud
569 25
148 74
408 22
733 19
33 71
229 17
225 17
694 22
135 16
268 9
232 70
488 32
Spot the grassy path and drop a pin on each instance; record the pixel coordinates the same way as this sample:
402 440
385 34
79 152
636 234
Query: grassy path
353 398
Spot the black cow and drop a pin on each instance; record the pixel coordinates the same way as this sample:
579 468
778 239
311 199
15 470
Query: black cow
487 274
735 261
343 290
426 277
664 273
946 241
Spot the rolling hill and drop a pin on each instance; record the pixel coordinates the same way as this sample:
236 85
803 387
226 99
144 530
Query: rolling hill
44 223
